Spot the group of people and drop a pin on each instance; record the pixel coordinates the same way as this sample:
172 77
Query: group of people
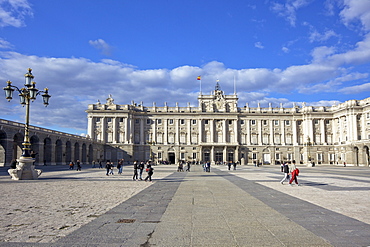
72 165
290 171
109 166
180 167
139 168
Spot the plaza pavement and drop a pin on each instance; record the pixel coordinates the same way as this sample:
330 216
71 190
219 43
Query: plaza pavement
245 207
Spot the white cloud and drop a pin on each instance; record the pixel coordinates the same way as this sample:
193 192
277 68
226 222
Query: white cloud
258 45
5 44
356 89
83 82
13 12
289 9
356 10
101 45
320 37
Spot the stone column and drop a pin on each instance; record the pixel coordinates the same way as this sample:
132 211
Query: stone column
236 132
142 141
295 139
177 131
114 129
322 130
224 131
272 138
90 127
103 129
188 137
165 138
282 128
127 130
212 130
200 126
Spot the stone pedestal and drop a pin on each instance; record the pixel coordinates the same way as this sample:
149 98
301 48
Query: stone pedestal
25 170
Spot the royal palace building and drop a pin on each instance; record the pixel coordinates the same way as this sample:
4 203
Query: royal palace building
218 130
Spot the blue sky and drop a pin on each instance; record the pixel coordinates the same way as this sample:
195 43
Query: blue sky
313 51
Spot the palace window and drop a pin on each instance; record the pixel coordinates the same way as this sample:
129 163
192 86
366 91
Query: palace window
194 121
148 121
170 121
276 122
159 121
182 121
253 122
287 122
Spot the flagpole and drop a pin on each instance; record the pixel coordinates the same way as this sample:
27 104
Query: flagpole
199 78
234 86
200 85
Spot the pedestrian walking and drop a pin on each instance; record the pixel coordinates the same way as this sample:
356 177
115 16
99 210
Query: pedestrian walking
294 172
111 168
100 165
149 170
208 166
108 167
141 169
229 165
188 166
135 170
71 165
285 169
78 163
120 166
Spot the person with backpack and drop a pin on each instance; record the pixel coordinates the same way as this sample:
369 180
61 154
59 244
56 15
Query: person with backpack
294 171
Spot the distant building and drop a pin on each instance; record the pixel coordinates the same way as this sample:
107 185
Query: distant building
218 130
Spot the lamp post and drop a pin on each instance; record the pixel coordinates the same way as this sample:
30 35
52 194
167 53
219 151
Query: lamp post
25 168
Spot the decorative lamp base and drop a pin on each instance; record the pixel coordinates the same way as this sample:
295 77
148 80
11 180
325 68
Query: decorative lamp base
25 170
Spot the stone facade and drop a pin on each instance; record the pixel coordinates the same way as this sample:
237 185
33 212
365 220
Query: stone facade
218 130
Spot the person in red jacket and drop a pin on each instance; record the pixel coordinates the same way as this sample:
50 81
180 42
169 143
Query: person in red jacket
294 172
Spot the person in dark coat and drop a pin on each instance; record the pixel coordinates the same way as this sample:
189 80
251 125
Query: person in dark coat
135 170
108 166
150 172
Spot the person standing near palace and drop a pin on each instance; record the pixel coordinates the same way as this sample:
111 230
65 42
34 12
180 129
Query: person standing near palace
285 169
78 163
135 170
149 169
141 169
108 166
294 171
120 166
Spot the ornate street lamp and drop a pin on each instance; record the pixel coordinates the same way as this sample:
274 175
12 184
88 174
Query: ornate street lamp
26 95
